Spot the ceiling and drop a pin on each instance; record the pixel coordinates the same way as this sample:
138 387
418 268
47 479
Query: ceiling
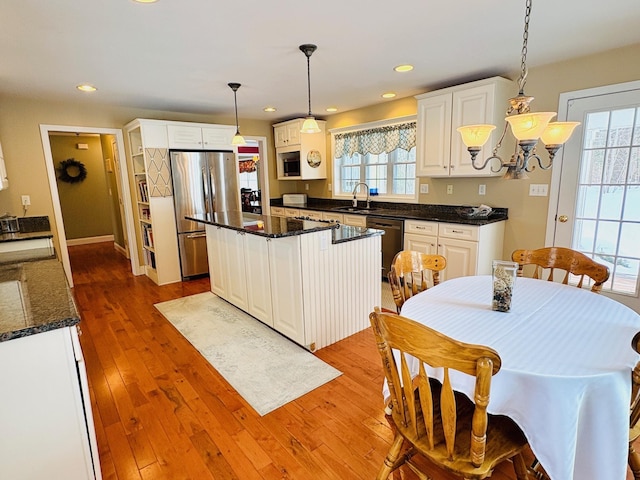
179 55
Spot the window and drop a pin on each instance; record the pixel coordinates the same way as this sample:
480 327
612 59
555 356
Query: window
382 155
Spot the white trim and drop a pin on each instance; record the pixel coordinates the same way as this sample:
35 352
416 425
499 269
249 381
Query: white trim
376 124
55 197
263 181
87 240
556 172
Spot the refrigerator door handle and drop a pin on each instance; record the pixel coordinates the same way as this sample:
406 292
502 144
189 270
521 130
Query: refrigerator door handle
206 189
196 235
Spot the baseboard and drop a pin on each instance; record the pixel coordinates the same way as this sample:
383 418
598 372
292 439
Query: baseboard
84 241
121 250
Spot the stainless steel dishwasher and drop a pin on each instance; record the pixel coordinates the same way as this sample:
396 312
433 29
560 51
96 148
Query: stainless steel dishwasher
391 240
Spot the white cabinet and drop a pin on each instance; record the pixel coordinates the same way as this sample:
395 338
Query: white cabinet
300 156
311 214
333 217
469 249
200 138
355 220
216 252
156 227
4 180
46 418
285 270
277 211
287 134
258 269
440 150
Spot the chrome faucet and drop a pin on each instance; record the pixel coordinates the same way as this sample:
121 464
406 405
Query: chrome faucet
354 202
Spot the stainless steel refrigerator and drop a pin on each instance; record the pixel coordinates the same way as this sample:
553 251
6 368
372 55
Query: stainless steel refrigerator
203 182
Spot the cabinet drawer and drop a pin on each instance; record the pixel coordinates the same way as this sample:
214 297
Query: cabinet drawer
355 220
421 228
291 212
456 230
312 214
277 211
333 217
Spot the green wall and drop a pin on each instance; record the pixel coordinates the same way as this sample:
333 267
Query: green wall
86 207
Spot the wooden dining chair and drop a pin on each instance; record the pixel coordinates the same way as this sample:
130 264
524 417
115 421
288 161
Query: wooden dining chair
634 424
411 272
455 433
560 258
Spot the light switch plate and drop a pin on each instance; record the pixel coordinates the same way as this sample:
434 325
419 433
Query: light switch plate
538 190
482 189
424 188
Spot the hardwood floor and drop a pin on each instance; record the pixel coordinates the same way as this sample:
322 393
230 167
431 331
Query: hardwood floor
162 412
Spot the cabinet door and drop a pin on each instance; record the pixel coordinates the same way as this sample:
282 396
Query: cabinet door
217 137
181 136
258 281
237 286
421 243
293 133
434 136
216 252
285 270
280 136
471 106
461 255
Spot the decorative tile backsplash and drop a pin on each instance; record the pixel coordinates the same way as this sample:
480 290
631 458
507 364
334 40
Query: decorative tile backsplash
158 172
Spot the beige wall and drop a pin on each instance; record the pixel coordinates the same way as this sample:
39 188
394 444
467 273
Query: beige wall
527 215
85 205
20 119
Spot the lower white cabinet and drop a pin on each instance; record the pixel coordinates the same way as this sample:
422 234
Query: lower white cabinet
45 412
469 249
258 268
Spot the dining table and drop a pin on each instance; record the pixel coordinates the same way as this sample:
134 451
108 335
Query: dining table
566 366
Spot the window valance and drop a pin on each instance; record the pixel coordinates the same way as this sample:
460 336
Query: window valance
376 140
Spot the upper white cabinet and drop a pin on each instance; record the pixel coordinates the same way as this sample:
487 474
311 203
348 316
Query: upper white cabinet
440 150
287 134
200 138
4 180
300 156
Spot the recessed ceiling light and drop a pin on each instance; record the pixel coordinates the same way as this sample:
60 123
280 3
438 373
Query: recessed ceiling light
85 87
146 1
332 109
388 95
403 68
269 109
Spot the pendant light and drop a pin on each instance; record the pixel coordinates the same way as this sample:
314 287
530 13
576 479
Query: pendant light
237 138
310 125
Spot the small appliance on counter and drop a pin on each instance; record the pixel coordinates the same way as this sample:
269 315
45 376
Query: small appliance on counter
294 200
9 224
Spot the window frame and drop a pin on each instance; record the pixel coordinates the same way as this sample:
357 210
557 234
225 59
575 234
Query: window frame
337 179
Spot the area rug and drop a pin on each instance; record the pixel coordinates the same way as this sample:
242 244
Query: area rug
265 368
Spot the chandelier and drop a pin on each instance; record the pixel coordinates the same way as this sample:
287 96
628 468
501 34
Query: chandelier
528 127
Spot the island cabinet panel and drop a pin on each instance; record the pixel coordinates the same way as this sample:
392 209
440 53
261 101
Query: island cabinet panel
285 265
258 278
236 273
217 260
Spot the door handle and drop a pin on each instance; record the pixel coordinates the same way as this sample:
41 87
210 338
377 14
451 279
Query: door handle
197 235
563 218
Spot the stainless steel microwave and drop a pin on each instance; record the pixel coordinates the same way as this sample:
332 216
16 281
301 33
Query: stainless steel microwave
291 164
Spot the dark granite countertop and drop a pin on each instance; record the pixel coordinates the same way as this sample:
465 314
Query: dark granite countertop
276 227
401 211
34 298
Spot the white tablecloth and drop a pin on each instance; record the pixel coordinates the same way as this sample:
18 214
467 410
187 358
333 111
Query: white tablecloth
566 366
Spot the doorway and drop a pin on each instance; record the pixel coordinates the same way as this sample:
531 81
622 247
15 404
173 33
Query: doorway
595 193
45 131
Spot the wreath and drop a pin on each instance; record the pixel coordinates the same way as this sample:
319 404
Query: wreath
72 171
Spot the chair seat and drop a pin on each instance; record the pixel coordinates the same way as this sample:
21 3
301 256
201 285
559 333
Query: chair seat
504 438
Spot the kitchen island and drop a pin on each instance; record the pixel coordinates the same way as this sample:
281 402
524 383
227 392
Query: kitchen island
314 282
45 412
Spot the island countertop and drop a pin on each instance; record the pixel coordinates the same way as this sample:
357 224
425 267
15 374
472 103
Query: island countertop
34 298
276 227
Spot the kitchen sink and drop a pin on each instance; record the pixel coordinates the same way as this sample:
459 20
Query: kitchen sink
355 209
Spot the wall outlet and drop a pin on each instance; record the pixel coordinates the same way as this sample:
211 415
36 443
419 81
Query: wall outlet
424 188
538 190
306 186
449 189
329 187
26 200
482 189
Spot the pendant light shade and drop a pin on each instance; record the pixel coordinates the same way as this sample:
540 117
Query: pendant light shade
310 125
237 138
